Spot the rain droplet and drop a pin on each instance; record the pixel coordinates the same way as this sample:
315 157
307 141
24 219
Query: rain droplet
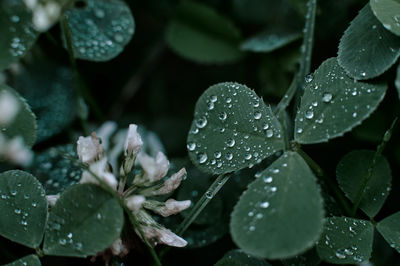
252 228
191 146
201 122
257 115
327 97
309 78
213 98
217 154
230 143
269 133
229 156
264 204
202 157
209 195
267 179
222 116
309 114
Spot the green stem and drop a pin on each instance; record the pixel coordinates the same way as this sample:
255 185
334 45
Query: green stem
332 185
202 203
287 98
371 167
81 89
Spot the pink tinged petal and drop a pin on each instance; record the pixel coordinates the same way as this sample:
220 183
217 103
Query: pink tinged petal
173 207
171 183
89 148
162 236
133 141
52 199
135 202
154 168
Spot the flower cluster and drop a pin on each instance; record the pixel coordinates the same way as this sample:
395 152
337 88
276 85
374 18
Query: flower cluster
136 187
44 13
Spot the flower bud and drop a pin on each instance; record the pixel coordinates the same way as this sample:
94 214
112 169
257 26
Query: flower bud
156 235
168 208
171 183
133 142
89 149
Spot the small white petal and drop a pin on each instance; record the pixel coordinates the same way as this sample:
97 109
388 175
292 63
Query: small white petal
100 169
133 141
135 202
89 148
154 168
173 207
171 183
163 236
52 199
9 107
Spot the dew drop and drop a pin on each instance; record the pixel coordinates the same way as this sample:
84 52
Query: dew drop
257 115
202 157
264 204
217 154
222 116
229 156
269 133
309 78
201 122
309 114
209 195
267 179
252 228
327 97
230 143
213 98
191 146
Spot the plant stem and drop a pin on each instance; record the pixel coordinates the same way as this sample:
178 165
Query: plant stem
202 203
332 185
81 89
371 167
287 98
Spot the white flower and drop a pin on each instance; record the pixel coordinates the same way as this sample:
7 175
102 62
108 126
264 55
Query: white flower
89 149
9 107
100 169
118 248
135 202
154 168
30 3
162 235
14 151
133 142
44 16
172 207
52 199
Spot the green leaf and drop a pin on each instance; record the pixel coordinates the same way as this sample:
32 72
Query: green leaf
270 40
309 258
388 13
281 213
50 90
333 104
390 230
239 258
17 32
232 129
397 81
31 260
351 173
24 123
54 171
346 241
84 221
100 30
23 208
367 49
200 34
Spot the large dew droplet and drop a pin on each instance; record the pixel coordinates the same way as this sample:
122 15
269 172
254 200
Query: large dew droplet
202 157
201 122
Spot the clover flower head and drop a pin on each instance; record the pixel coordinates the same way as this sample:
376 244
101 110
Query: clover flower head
143 183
